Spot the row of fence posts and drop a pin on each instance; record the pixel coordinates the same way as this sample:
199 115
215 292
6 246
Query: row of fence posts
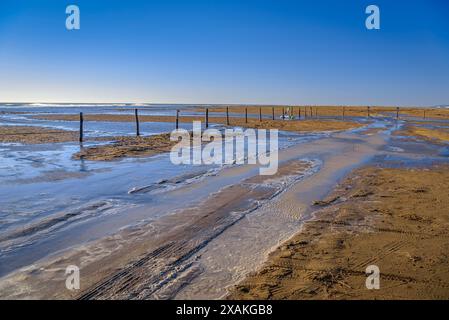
283 114
291 112
368 110
136 116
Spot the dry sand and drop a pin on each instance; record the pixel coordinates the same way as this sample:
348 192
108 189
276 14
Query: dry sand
397 219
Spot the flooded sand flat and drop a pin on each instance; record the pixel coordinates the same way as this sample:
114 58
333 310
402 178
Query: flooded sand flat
138 227
286 125
325 148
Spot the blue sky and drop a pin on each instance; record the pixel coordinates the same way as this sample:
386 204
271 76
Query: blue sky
225 51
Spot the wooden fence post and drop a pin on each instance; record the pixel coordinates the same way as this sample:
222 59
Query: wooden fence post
272 113
81 127
177 119
246 115
207 118
397 113
260 114
299 113
227 116
137 122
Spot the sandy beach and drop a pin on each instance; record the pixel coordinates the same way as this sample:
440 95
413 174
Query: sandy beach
395 218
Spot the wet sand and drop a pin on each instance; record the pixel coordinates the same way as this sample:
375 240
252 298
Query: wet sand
35 135
437 122
127 147
42 135
433 135
395 218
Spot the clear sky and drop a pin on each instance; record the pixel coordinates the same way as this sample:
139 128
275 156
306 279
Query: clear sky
225 51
